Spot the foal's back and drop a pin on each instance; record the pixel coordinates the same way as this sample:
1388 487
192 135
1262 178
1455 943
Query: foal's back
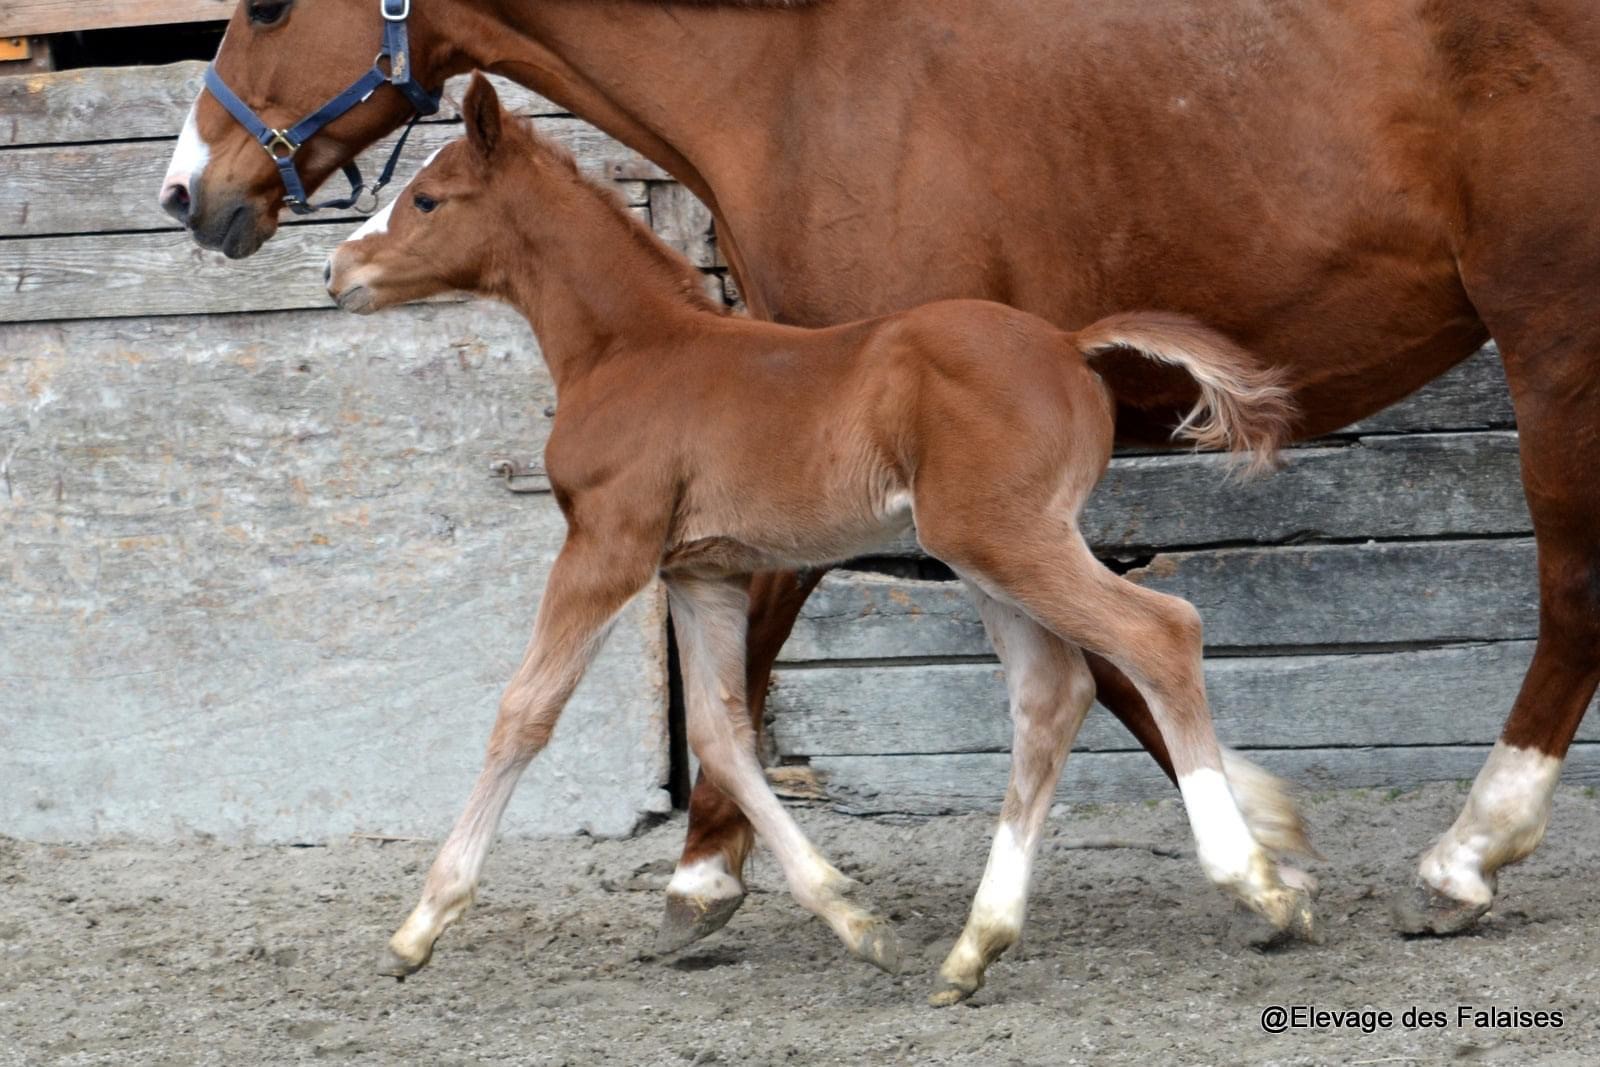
787 446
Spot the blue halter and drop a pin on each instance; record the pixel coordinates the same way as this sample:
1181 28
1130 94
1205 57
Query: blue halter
282 145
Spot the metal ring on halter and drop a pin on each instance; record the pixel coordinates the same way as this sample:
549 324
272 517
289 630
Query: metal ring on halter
366 200
280 139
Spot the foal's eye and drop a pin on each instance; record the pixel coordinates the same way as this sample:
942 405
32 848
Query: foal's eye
424 203
266 14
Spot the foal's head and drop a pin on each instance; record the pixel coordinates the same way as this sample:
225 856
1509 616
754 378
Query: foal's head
461 223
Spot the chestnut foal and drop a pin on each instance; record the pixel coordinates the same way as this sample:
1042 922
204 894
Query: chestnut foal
702 447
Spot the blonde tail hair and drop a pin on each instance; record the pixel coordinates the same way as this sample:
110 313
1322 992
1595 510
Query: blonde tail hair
1243 404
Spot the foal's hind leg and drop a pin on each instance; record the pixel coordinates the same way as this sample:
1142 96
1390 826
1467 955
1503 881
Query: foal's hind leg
588 586
1048 571
708 616
1051 691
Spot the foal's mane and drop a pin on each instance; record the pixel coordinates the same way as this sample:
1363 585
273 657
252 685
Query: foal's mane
686 278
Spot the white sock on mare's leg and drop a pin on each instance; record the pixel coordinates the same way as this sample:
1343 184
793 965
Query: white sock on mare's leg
1502 822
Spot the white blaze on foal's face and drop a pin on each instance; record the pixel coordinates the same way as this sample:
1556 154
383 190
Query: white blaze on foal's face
378 223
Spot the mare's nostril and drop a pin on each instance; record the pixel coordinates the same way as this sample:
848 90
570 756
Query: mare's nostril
175 202
327 271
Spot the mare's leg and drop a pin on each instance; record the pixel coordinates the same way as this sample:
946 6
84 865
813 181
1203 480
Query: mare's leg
1532 270
1051 691
1048 571
709 619
708 885
588 587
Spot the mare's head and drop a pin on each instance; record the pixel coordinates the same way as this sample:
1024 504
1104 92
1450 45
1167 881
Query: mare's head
284 59
453 227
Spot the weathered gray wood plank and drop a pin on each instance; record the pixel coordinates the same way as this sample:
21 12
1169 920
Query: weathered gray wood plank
124 103
1416 485
1445 696
22 18
950 784
1470 396
96 188
685 224
1381 593
259 581
163 273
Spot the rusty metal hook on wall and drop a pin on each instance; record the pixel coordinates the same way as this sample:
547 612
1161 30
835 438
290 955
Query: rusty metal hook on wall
520 477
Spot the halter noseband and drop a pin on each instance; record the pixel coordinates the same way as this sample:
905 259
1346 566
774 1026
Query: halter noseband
282 145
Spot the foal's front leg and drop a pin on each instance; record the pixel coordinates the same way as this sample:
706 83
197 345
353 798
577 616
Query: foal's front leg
589 586
708 616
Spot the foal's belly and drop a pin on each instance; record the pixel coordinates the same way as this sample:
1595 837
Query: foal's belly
776 537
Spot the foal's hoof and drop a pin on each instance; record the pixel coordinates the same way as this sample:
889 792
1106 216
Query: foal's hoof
1294 920
688 919
950 992
1421 909
880 946
393 965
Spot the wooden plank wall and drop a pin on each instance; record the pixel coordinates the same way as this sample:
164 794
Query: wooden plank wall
1369 609
259 580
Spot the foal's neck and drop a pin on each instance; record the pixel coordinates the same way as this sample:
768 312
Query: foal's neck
590 277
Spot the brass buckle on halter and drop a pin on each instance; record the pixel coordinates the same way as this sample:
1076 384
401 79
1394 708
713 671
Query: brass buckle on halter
280 139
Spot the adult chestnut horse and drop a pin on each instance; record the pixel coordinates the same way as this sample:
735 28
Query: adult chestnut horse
1360 192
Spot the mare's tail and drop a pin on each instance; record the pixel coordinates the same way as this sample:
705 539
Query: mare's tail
1243 406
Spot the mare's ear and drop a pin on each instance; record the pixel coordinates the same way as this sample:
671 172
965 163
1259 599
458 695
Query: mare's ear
481 109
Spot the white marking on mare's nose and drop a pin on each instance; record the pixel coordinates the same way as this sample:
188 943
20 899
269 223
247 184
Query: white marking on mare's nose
189 159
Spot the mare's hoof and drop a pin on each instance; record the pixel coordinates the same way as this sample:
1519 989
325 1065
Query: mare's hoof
880 946
1420 909
688 919
949 992
393 965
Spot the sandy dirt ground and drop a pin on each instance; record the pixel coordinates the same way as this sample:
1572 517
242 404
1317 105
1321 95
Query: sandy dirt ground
205 954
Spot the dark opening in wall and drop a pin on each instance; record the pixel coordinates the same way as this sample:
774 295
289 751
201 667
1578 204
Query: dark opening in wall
137 46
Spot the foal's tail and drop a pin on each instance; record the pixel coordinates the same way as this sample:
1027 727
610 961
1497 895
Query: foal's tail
1243 405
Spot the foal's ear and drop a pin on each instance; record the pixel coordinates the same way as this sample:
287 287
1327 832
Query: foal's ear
482 112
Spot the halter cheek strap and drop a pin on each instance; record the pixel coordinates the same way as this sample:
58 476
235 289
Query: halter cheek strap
283 145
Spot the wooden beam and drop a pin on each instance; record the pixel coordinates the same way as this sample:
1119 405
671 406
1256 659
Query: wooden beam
123 103
955 784
119 275
20 18
1457 695
55 190
1382 593
1412 485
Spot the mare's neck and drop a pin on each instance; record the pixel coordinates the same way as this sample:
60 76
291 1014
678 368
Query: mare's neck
681 83
593 281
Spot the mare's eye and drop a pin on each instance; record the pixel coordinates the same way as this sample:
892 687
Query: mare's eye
424 203
268 13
